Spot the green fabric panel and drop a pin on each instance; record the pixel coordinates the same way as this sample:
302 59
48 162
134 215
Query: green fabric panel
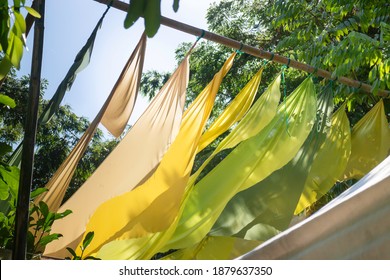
250 162
81 61
258 116
215 248
333 155
273 200
370 143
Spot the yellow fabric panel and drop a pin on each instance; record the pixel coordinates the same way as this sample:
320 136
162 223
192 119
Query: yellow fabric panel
132 160
215 248
272 201
250 162
233 112
153 206
258 116
125 91
333 155
370 143
60 181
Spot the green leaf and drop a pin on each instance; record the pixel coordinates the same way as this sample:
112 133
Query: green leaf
87 240
92 258
37 192
44 209
15 49
10 175
20 23
176 5
4 148
5 67
134 12
49 238
7 101
152 15
4 190
62 215
72 252
32 12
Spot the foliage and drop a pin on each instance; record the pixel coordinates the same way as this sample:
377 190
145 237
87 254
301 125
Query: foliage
152 81
54 140
150 10
12 39
41 220
86 242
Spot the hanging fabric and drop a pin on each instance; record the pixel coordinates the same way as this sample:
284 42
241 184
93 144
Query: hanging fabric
215 248
250 162
81 62
125 92
145 247
126 88
370 143
153 206
132 160
259 115
233 112
334 155
272 201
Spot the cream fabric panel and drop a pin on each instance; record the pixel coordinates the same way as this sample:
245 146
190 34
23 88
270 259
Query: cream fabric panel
137 155
125 92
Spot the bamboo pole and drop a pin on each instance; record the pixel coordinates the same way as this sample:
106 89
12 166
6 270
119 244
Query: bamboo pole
258 52
26 171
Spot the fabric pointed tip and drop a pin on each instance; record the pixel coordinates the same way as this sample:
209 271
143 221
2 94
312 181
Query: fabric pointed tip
175 5
129 23
151 31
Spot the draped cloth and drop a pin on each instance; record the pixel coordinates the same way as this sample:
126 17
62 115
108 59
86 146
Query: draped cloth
215 248
153 206
250 162
125 92
81 61
233 112
334 154
125 89
370 142
258 116
132 160
355 225
266 208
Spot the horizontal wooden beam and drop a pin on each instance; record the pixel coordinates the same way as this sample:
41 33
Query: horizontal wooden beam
258 52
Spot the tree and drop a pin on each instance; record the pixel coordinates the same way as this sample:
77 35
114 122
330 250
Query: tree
348 38
54 139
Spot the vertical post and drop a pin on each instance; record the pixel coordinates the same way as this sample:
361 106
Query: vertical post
26 171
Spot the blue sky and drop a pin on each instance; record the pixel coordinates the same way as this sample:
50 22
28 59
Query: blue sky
69 23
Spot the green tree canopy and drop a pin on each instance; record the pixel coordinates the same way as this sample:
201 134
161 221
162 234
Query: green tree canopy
54 139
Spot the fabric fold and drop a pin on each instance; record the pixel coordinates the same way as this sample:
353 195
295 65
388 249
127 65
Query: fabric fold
81 61
272 201
370 143
153 206
132 160
125 92
233 112
215 248
258 116
250 162
60 181
334 155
